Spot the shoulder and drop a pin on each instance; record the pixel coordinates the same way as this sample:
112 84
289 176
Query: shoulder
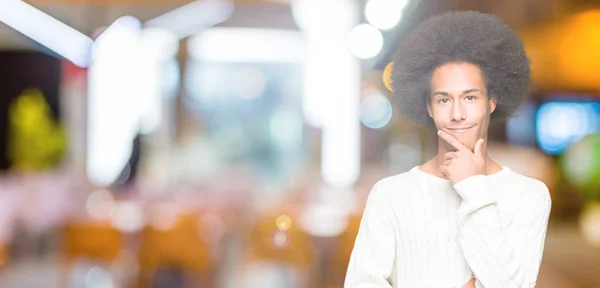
390 189
532 197
395 181
533 190
392 184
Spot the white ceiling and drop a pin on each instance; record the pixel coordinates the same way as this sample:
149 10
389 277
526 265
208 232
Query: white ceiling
85 18
88 18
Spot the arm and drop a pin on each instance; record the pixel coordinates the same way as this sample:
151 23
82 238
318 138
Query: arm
502 257
373 255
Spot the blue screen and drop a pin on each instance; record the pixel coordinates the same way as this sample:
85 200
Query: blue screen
562 123
520 128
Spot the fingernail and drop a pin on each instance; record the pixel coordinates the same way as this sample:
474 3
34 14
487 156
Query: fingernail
439 132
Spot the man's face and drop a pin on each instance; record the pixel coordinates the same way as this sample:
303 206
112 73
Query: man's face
459 102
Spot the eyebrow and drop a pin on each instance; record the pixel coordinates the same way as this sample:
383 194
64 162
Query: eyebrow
443 93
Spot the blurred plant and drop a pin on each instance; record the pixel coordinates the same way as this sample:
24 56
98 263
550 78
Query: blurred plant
589 223
580 163
36 141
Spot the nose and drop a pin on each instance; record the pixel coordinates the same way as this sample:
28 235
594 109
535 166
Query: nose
458 112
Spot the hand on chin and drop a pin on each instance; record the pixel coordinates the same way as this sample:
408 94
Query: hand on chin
462 162
470 284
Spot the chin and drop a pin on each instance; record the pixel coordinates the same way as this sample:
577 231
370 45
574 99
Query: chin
466 139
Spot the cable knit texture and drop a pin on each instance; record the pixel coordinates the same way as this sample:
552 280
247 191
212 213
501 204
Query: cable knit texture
419 230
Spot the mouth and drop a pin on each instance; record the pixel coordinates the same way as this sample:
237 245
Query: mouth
459 129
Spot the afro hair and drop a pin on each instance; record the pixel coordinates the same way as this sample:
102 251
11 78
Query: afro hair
453 37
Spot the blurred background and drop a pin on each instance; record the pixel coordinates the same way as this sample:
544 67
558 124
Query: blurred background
233 143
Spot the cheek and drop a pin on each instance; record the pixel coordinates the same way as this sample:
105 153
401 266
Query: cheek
437 117
478 112
440 114
482 117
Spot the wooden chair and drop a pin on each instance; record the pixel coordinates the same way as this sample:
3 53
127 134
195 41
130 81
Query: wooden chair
293 248
95 241
338 263
179 246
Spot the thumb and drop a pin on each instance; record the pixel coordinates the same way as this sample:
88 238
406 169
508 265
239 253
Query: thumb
479 149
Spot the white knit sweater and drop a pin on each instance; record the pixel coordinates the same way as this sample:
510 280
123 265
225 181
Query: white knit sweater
420 231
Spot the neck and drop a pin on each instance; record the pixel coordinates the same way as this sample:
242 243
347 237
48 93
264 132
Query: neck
444 148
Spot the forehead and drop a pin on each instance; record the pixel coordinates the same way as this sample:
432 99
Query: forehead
457 77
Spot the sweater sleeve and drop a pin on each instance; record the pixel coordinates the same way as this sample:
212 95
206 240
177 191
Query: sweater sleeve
501 256
372 258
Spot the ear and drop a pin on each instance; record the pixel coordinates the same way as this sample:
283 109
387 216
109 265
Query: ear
428 104
493 103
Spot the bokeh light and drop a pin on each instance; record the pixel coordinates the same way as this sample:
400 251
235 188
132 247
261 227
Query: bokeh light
127 217
375 111
164 216
280 239
100 204
387 76
98 278
589 223
283 222
560 124
384 14
325 219
581 164
365 41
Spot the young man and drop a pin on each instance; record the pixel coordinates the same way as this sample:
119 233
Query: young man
460 219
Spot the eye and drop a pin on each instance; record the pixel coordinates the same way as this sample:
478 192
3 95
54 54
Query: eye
443 100
470 98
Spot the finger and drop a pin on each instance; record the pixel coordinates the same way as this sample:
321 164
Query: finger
470 284
451 155
444 170
479 149
451 141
